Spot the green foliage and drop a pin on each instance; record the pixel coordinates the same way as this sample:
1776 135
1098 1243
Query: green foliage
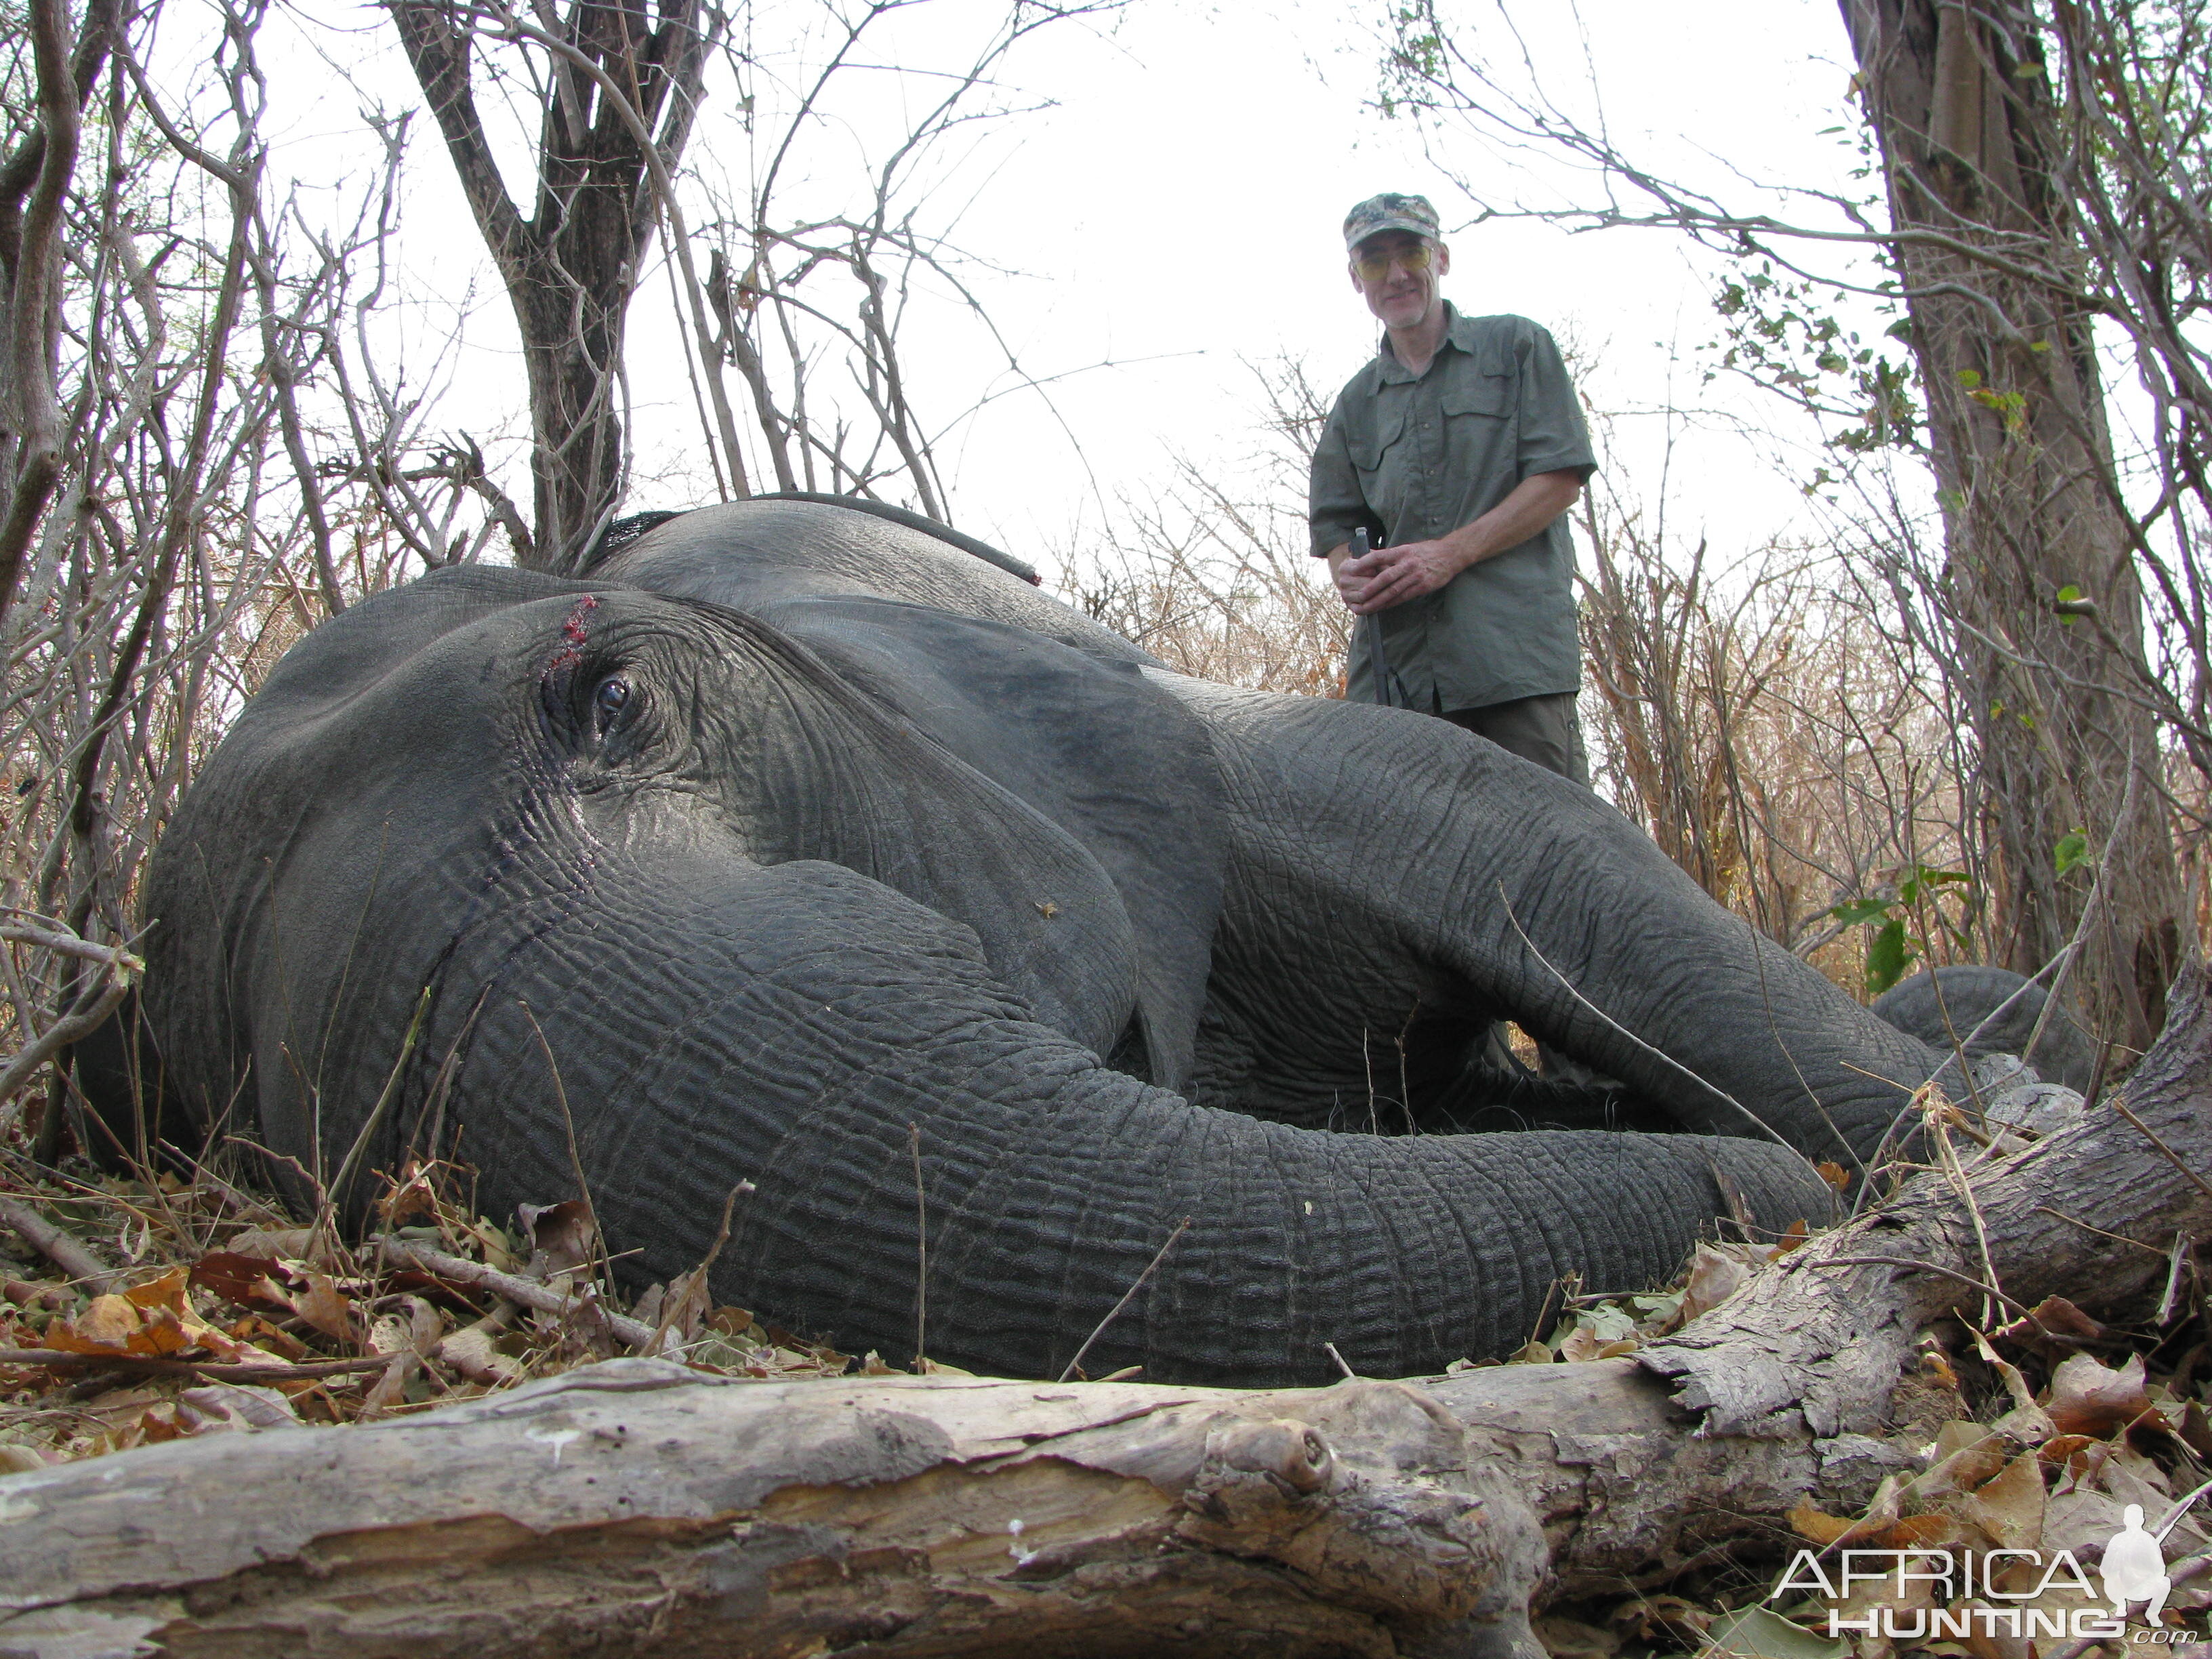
1780 334
1904 922
1853 911
1888 954
2010 406
2072 851
1416 59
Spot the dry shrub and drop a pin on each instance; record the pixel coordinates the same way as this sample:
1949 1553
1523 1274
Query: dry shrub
1218 588
1213 577
1781 746
235 464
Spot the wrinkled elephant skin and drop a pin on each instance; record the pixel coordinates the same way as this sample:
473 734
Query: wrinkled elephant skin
799 834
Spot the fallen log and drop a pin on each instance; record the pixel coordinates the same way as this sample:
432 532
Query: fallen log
638 1508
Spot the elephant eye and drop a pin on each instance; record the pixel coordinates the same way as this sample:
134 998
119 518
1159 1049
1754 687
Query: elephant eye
612 697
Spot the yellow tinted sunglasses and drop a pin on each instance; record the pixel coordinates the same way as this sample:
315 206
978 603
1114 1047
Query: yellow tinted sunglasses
1374 267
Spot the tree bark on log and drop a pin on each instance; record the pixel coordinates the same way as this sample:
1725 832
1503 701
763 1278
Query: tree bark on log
636 1508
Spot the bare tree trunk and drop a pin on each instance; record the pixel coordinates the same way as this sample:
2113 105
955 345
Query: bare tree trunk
34 183
2043 585
636 1508
571 268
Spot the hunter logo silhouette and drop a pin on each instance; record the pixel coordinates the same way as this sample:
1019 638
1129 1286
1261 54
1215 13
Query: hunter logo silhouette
2134 1567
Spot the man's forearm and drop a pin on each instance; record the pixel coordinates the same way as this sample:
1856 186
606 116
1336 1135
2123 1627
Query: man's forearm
1534 503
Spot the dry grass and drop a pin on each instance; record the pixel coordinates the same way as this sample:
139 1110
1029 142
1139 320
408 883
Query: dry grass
213 1309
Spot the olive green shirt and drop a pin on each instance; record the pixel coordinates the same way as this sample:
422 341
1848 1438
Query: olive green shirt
1417 457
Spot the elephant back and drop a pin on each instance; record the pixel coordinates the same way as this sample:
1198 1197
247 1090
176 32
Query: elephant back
746 555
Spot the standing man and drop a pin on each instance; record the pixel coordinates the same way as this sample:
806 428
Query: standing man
1459 449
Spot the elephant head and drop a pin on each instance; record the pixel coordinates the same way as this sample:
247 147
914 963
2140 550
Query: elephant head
801 848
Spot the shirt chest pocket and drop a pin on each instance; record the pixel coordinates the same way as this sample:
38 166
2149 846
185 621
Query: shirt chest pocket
1478 449
1488 396
1369 449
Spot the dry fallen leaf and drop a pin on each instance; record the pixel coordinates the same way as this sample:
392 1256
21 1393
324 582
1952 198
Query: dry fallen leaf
2026 1422
291 1243
248 1279
1672 1618
326 1307
1715 1276
2008 1507
2088 1397
154 1321
1759 1632
470 1352
413 1195
562 1236
1570 1639
1824 1529
219 1407
105 1327
2052 1321
2197 1429
1580 1344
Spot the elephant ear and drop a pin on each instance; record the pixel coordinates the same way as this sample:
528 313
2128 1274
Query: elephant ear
234 896
1092 746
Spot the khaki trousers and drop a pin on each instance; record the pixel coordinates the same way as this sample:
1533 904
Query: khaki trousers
1541 729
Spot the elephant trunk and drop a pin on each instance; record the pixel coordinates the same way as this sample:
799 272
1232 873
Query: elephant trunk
806 1029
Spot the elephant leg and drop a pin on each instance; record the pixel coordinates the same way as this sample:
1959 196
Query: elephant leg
1428 861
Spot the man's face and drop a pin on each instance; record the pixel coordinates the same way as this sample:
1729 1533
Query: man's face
1383 270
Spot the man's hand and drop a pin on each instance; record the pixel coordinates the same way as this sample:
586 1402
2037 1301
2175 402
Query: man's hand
1391 575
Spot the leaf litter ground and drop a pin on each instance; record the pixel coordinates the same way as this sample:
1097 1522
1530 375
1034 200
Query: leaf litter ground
213 1311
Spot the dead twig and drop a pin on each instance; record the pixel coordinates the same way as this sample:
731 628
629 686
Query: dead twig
680 1307
528 1293
2117 1238
56 1243
1968 1280
921 1250
222 1370
1114 1312
2164 1151
2172 1294
1966 1189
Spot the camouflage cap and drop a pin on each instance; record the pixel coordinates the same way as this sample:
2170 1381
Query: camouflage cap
1389 211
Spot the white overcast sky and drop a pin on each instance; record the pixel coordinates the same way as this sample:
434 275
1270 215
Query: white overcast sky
1177 212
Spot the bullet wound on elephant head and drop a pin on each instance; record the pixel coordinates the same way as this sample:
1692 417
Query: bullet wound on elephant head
573 635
